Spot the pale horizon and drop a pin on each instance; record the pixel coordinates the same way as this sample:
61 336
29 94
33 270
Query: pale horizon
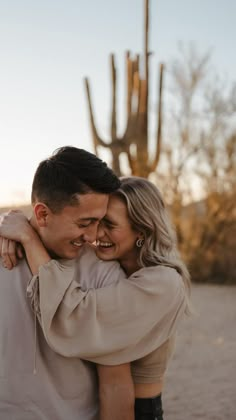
49 47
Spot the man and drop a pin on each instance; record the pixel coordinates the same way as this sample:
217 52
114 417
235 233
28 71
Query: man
69 198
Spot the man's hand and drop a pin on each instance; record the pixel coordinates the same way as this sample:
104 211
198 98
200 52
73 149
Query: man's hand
116 392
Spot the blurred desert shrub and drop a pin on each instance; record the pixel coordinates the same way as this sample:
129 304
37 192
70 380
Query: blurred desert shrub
197 169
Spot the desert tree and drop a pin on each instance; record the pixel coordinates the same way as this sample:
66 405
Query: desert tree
198 162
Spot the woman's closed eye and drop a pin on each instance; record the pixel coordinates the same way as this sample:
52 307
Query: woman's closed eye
107 223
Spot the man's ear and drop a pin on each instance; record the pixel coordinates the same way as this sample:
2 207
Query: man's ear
41 212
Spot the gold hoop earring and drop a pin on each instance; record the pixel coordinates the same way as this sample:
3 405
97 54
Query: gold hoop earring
139 242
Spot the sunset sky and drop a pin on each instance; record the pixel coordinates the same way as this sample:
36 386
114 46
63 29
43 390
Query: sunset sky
47 48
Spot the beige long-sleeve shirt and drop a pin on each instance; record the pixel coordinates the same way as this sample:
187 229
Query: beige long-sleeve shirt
62 388
133 319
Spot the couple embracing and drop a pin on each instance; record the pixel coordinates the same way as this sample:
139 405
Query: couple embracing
92 291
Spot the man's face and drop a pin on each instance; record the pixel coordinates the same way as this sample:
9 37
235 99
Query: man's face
64 233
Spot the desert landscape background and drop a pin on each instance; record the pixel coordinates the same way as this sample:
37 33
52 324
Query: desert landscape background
201 379
163 106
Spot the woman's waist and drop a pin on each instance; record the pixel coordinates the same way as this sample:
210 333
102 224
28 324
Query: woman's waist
148 390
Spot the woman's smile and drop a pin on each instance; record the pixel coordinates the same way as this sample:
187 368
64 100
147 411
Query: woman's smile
103 244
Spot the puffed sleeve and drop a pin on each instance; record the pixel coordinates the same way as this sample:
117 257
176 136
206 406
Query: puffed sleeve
111 325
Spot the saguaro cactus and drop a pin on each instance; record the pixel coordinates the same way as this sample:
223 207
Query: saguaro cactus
134 141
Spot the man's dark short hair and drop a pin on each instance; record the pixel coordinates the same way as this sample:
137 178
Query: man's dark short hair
68 172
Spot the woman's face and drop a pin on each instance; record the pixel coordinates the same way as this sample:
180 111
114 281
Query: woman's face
116 239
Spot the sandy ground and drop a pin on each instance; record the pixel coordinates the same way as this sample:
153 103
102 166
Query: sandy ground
201 379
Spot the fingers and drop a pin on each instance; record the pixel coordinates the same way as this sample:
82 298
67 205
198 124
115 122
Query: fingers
8 252
19 251
12 252
4 253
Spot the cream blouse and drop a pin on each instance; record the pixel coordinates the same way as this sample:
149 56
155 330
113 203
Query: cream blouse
133 320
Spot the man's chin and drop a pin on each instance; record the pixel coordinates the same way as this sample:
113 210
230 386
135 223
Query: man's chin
69 255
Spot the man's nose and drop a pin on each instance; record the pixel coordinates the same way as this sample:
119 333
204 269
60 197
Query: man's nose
100 231
90 234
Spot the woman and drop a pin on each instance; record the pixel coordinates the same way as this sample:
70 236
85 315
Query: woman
135 320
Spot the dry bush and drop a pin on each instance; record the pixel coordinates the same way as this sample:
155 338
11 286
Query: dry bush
200 153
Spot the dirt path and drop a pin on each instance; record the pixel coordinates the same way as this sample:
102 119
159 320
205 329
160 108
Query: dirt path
201 380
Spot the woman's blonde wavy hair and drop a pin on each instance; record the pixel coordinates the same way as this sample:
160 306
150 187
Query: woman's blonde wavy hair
148 215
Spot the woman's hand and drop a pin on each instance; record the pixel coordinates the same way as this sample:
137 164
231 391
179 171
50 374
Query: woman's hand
14 228
10 251
14 225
